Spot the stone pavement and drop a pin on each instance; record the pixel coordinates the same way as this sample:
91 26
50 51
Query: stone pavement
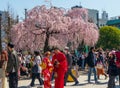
23 83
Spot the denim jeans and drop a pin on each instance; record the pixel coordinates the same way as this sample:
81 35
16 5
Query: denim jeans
83 63
34 76
90 72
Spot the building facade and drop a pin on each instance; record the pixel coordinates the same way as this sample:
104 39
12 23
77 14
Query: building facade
4 21
104 19
93 16
114 21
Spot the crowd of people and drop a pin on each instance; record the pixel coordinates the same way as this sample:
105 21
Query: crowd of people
57 65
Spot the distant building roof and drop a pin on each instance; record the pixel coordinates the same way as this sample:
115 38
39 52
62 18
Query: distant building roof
76 7
113 22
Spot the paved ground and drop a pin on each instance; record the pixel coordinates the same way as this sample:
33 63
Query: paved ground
23 83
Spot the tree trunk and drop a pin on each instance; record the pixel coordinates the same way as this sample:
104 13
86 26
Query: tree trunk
46 46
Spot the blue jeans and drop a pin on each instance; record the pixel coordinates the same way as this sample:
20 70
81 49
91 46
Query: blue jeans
89 73
83 63
34 76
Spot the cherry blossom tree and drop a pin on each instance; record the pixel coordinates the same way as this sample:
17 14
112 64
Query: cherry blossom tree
82 30
53 26
42 28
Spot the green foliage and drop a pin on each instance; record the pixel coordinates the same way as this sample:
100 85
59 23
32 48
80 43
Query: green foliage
109 37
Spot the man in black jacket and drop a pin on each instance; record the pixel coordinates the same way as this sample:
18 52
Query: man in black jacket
91 61
69 72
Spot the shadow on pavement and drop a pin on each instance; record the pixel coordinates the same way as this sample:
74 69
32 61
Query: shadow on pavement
101 83
22 87
80 84
24 78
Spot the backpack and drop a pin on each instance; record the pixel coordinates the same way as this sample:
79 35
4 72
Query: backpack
117 59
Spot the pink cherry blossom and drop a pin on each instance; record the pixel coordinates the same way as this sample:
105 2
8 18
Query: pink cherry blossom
59 26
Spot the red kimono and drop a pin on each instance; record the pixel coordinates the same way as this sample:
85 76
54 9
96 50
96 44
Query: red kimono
60 69
47 68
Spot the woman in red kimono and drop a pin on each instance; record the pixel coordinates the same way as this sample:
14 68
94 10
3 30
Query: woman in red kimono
47 68
60 67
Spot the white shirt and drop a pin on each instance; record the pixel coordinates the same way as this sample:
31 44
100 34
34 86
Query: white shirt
38 62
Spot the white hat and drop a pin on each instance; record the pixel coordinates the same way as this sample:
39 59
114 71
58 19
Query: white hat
66 48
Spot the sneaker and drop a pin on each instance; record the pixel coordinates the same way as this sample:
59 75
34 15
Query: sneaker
32 85
96 82
76 83
64 84
89 82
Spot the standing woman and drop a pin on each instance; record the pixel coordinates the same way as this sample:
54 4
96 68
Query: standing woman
112 70
100 66
47 68
36 69
60 68
3 64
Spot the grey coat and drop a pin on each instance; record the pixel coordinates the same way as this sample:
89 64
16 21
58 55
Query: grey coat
12 62
69 60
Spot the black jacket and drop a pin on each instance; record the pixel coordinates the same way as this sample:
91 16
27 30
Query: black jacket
91 61
112 68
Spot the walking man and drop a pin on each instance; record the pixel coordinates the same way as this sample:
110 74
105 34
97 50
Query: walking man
12 66
91 61
69 72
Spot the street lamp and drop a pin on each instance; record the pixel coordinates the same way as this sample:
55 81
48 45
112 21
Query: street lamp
0 33
25 14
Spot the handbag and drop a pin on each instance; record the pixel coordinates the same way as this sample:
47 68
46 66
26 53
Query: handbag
35 68
55 75
99 65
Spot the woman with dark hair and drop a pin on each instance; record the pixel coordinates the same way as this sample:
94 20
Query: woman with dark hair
60 68
100 65
36 69
112 70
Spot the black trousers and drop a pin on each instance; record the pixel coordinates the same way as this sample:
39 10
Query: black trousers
34 76
13 80
111 81
69 72
119 75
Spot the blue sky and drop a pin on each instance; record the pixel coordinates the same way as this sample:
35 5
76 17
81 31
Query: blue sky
111 6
